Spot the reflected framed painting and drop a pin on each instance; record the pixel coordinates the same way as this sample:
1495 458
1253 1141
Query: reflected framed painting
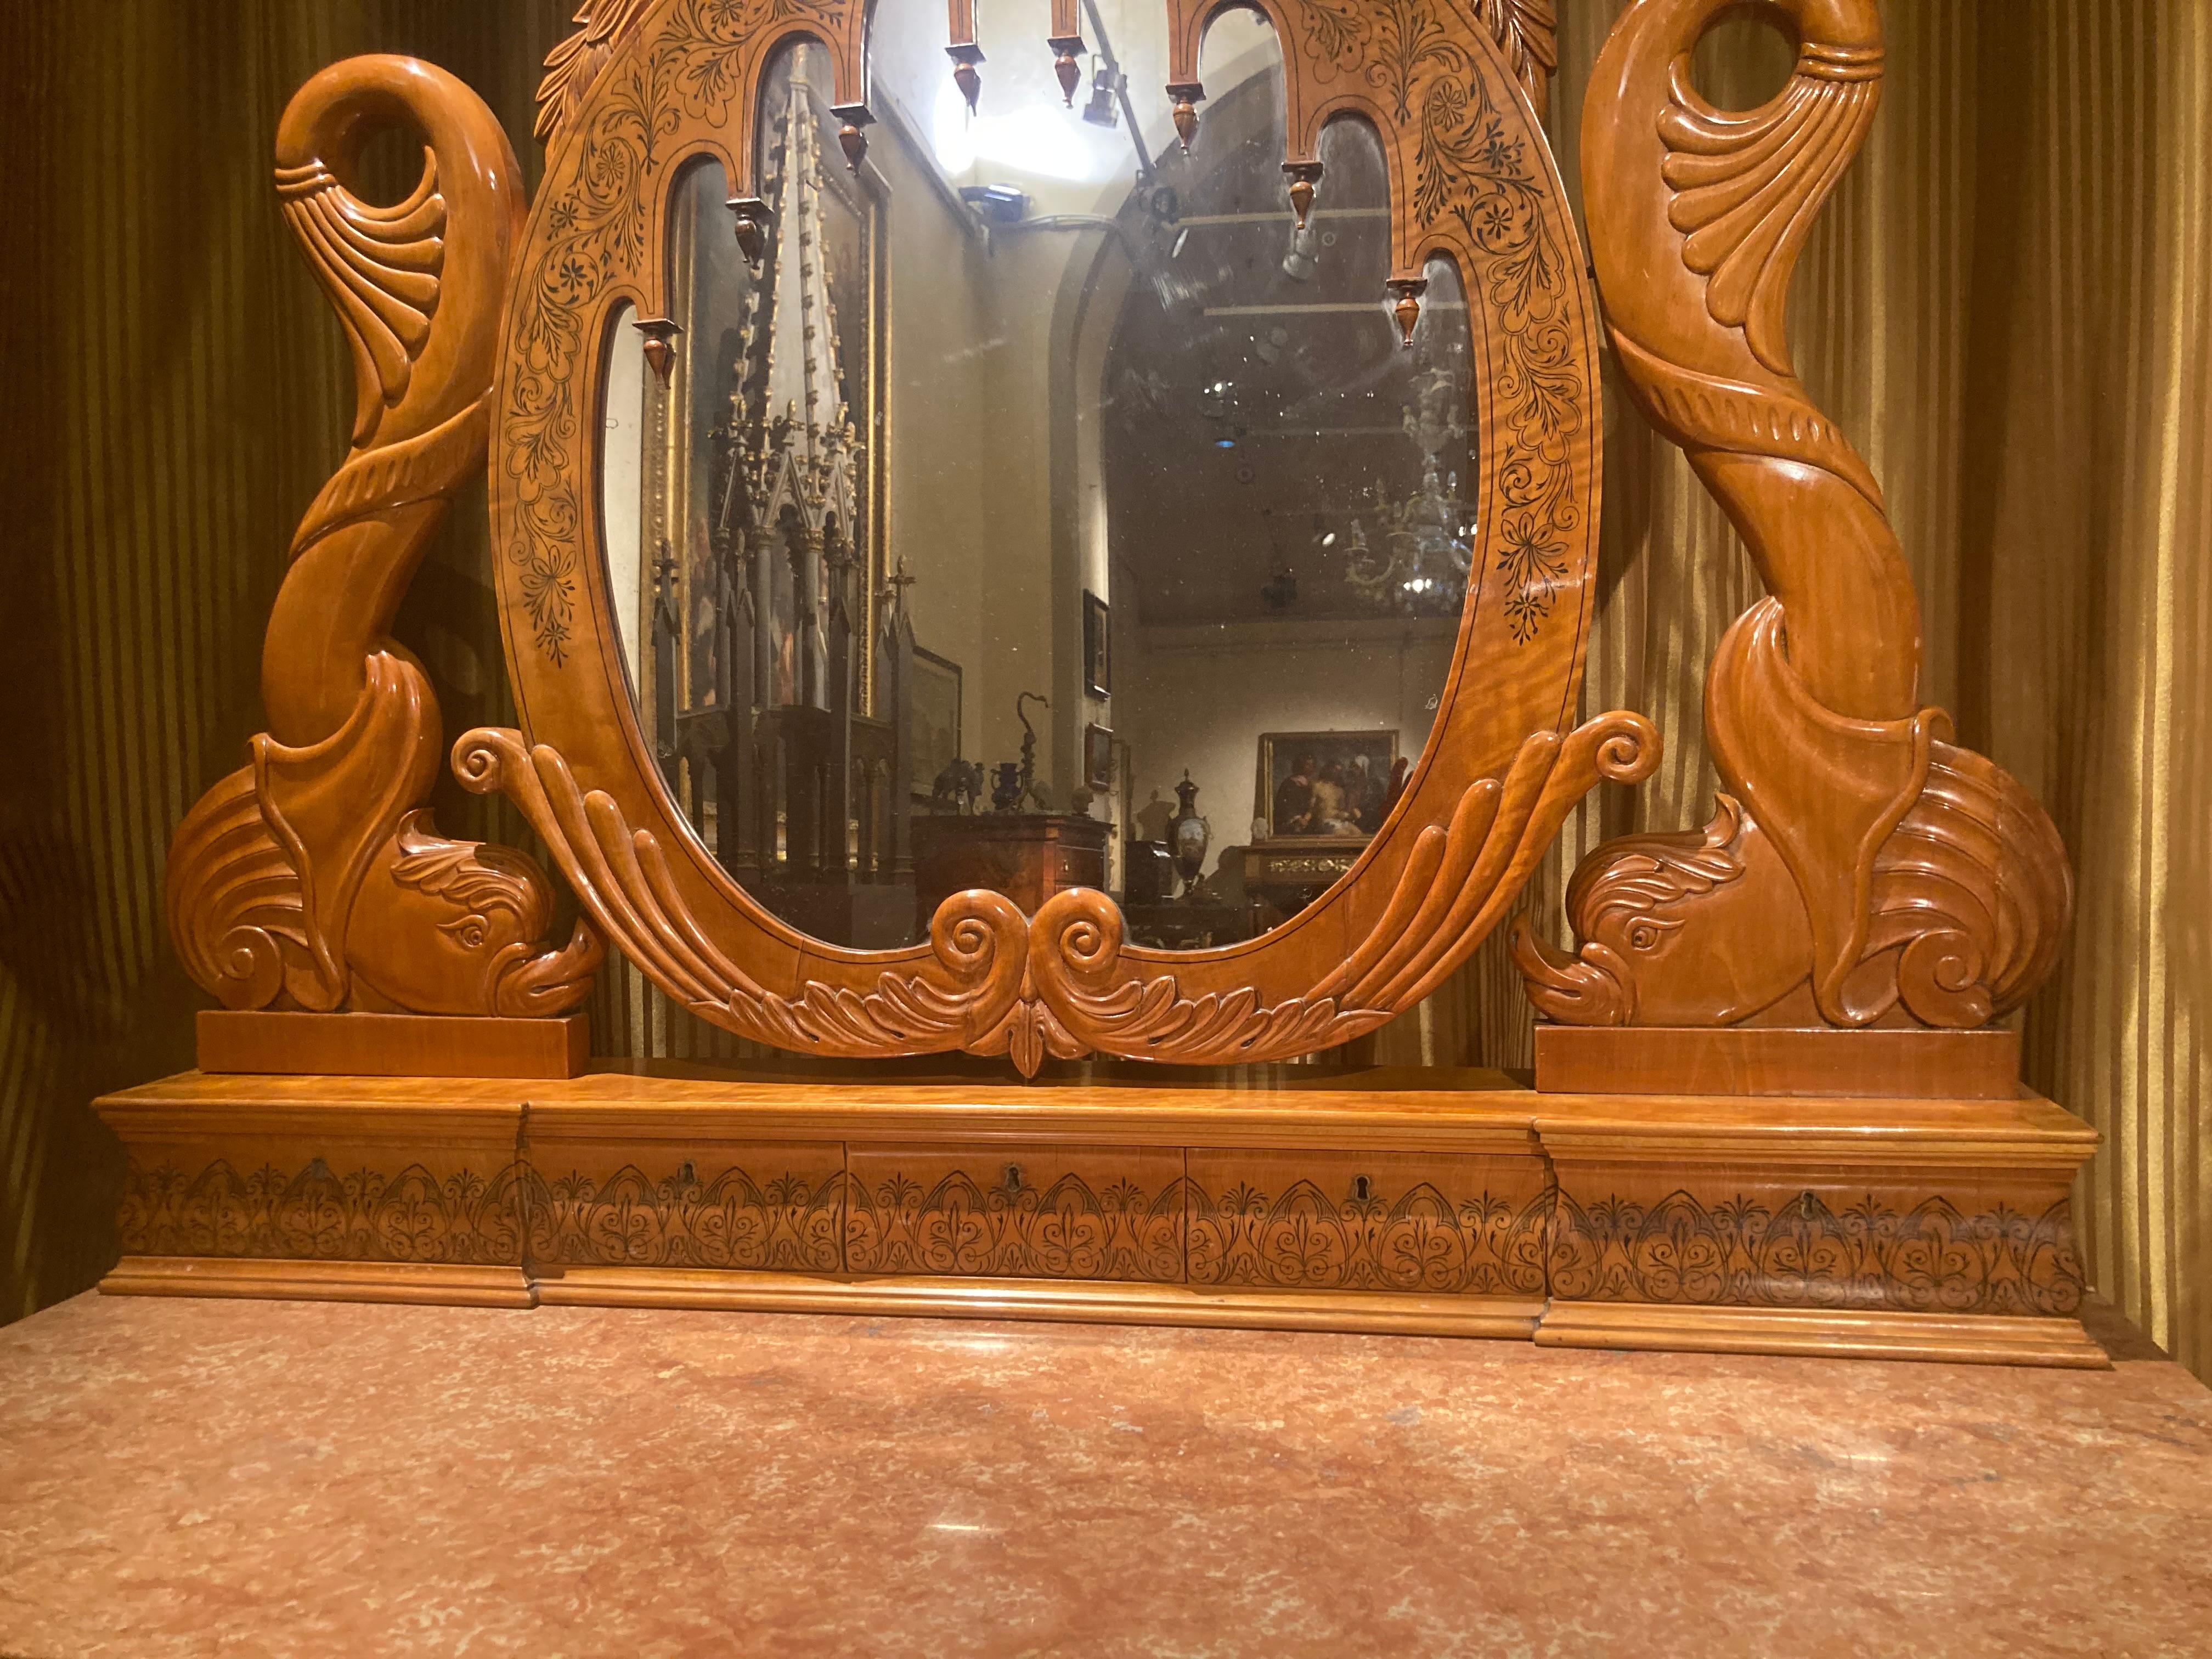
1097 651
933 720
1324 783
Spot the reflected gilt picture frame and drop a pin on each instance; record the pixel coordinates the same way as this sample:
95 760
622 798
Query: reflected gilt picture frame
1098 647
1324 783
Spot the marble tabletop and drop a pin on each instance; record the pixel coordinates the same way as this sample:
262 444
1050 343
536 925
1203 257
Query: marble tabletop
235 1478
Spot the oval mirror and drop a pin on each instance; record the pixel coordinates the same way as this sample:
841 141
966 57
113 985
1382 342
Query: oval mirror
999 552
1034 505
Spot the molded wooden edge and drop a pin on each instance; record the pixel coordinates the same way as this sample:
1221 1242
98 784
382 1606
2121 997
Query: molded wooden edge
1504 1134
490 1129
1082 1301
255 1043
427 1283
1969 1338
1890 1150
1995 1133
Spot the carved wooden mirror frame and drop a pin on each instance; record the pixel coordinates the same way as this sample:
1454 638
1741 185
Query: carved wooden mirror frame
645 89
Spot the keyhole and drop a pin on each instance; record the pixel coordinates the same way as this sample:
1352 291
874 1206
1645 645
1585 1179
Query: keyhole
1013 1177
687 1173
1359 1188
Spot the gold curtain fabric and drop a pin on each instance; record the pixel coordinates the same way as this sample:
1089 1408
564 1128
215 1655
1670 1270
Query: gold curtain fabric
2004 305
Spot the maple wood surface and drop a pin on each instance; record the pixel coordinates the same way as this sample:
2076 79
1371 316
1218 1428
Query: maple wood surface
1776 1060
391 1045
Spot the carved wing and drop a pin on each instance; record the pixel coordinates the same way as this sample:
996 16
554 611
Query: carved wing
572 66
1528 33
381 267
1747 187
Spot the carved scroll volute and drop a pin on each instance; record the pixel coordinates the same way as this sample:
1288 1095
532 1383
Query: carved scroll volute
311 878
1793 906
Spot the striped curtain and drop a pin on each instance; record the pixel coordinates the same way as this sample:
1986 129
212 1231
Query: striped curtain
2003 306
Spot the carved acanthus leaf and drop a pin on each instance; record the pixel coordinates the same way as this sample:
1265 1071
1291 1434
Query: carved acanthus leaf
1528 33
380 267
1748 186
1056 986
234 905
575 63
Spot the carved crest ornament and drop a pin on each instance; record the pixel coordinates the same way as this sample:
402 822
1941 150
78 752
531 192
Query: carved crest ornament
1861 868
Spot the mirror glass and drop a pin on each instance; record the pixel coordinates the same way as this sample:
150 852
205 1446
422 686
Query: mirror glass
1032 505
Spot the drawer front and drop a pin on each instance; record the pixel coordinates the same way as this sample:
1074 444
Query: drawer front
993 1210
324 1198
645 1204
1411 1222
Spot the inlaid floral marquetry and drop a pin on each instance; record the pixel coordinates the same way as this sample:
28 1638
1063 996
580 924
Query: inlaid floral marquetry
763 1220
316 1213
1450 1226
1001 1212
1871 1252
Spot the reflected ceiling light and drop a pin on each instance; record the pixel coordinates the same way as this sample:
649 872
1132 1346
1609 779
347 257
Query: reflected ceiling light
1038 140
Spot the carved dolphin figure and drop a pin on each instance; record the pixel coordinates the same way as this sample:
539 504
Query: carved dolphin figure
313 877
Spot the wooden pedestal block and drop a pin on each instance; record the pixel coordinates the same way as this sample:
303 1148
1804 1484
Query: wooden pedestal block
1438 1204
254 1042
327 1189
1916 1229
1736 1060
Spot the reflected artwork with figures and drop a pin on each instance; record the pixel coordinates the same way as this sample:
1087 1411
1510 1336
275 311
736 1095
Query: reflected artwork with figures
1032 383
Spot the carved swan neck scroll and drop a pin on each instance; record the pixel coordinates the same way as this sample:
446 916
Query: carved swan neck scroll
313 877
1861 869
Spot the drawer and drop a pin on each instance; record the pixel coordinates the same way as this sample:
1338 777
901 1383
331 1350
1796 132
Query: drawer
672 1203
1010 1211
1460 1224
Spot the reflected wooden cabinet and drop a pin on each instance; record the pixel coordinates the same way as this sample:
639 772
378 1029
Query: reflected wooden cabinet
1266 406
1028 856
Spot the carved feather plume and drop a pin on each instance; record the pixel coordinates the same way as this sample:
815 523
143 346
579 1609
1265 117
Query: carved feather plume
1526 32
572 66
1748 186
380 268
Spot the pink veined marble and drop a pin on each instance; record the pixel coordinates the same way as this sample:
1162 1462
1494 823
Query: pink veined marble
186 1478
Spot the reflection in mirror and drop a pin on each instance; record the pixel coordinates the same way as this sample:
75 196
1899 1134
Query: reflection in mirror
1036 505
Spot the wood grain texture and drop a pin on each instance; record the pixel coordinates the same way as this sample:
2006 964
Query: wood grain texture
260 1042
1472 180
1978 1340
1860 867
1931 1065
